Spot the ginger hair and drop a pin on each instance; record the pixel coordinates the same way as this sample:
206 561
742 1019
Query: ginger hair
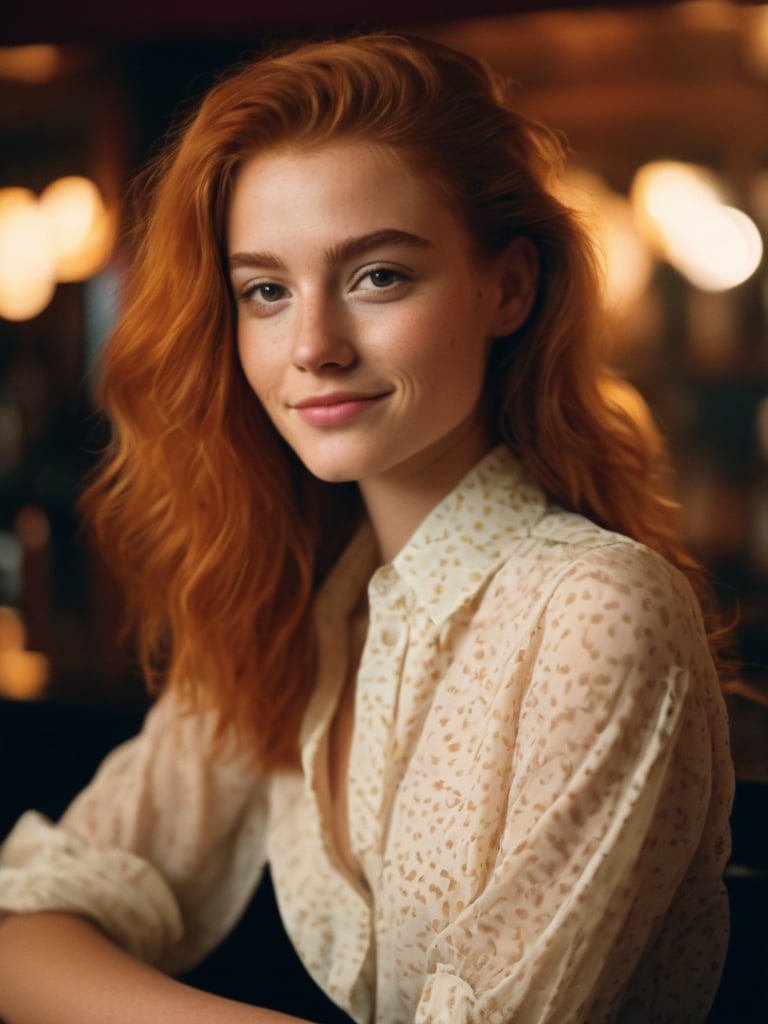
217 533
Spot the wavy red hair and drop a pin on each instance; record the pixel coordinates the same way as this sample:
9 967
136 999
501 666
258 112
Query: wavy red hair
218 534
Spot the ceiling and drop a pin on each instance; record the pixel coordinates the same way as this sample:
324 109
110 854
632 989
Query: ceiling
630 84
99 21
625 83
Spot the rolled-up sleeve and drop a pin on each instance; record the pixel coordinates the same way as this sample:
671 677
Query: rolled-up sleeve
447 999
162 850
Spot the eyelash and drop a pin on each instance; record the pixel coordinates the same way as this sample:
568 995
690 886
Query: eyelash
395 276
251 291
254 292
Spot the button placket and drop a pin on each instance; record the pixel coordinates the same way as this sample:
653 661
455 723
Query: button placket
378 685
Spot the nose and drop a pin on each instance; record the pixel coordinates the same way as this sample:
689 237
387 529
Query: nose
323 337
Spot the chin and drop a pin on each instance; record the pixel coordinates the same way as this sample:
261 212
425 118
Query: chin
333 478
337 467
330 472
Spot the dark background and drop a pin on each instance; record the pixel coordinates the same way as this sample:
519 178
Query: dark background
627 84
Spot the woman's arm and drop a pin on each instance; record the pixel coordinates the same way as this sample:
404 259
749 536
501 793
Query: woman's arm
604 899
60 969
161 851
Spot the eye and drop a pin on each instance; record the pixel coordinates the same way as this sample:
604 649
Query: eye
265 291
261 298
381 279
384 277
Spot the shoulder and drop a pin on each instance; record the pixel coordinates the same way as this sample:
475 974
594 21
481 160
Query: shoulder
603 592
617 650
578 552
599 564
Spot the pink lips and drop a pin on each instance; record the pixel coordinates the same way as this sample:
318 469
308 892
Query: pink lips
334 409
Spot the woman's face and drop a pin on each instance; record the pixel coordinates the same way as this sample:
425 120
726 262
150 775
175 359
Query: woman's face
365 315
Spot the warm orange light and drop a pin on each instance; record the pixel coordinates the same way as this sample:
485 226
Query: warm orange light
667 192
79 225
756 38
12 633
629 264
627 260
38 63
681 209
23 674
65 235
27 279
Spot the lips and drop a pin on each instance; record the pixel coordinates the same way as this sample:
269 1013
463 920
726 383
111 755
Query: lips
336 408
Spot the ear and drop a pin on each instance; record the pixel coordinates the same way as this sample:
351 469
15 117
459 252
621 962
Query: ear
518 278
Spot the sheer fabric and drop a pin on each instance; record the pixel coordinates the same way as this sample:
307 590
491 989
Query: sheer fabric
539 789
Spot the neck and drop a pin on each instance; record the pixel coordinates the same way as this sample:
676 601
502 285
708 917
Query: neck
397 503
395 514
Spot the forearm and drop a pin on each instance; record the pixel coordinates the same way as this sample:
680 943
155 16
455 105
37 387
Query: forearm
59 969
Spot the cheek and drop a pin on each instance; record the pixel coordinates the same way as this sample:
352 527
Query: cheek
457 358
245 363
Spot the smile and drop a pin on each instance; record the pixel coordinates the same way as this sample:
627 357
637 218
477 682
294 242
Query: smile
334 409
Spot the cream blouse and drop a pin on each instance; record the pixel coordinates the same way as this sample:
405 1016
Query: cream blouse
539 789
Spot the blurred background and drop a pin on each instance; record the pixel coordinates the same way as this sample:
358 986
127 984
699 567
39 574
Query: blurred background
665 109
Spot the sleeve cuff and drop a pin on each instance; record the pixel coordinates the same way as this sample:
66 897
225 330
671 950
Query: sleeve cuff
446 999
46 868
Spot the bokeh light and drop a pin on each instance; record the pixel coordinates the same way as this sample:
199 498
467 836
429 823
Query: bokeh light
64 235
79 226
681 209
27 276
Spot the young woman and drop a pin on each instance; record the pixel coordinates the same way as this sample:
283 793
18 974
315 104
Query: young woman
409 576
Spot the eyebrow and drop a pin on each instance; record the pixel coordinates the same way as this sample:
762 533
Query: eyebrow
350 248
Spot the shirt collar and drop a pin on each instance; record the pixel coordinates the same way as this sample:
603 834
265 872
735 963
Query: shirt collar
341 590
469 534
459 545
